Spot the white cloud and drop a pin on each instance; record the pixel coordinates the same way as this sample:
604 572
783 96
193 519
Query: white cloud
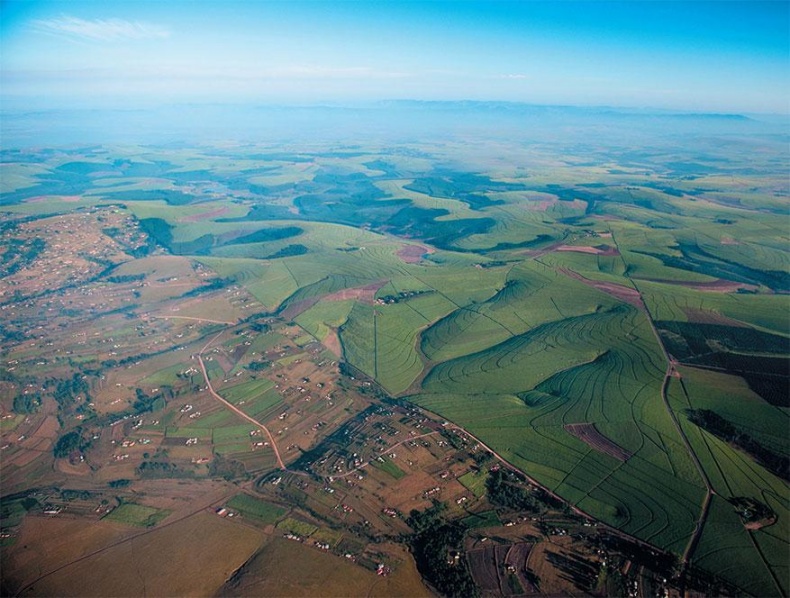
109 30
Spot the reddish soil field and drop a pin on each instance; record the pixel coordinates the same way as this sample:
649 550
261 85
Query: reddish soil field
332 342
205 215
704 316
579 249
761 523
48 428
36 444
412 254
715 286
25 457
719 286
482 562
618 291
592 437
501 552
517 558
602 250
365 294
541 206
293 310
621 292
535 253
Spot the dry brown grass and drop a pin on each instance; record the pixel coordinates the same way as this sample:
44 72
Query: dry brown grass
207 548
45 543
288 568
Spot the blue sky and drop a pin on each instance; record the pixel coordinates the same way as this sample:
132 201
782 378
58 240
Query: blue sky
706 56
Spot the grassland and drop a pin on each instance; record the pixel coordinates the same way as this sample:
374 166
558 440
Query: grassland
256 508
475 481
297 527
389 467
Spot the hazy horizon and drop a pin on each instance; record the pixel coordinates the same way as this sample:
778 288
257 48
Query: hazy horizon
398 121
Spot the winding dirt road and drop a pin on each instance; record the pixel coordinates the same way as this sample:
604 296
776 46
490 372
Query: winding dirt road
235 409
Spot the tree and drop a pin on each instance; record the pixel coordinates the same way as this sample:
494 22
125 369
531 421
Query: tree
67 443
27 403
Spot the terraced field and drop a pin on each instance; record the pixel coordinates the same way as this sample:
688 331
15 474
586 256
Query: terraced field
602 369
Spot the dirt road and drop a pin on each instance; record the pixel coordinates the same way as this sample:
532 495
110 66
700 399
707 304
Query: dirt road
239 412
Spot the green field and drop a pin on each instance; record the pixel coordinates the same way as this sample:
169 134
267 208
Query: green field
165 376
294 526
231 434
475 481
725 544
388 467
319 319
200 433
486 519
257 398
256 508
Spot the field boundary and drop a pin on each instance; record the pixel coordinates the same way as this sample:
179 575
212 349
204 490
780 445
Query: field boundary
592 437
232 407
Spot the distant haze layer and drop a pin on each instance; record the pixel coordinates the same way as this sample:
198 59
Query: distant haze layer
398 121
